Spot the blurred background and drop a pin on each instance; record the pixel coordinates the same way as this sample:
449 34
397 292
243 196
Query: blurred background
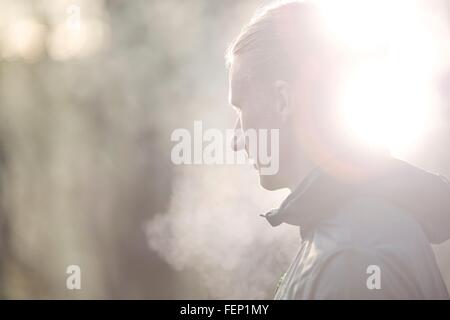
90 92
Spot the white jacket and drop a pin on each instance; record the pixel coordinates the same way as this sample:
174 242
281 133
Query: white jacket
367 239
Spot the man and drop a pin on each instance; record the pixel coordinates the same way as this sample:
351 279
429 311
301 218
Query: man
366 219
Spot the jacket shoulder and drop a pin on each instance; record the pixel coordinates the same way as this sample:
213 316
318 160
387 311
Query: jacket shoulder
369 250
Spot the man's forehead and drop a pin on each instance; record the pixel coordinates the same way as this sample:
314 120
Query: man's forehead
239 77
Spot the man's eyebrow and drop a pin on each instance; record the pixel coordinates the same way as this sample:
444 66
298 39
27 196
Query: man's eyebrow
235 105
236 109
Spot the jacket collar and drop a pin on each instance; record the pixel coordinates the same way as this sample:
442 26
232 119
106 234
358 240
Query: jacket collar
424 195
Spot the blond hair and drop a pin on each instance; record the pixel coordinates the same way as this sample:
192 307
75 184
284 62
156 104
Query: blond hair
278 36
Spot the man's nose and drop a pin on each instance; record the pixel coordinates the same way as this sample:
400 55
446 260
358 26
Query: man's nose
238 141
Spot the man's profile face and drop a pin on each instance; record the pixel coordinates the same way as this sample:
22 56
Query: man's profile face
254 102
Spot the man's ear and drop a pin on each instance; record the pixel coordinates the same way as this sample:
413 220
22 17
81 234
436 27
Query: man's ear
283 99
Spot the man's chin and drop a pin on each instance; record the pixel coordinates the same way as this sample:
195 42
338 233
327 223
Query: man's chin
269 182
